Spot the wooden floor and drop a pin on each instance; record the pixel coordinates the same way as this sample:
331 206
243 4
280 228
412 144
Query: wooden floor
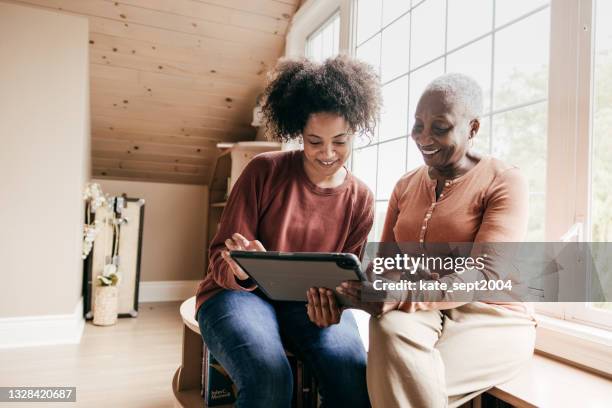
130 364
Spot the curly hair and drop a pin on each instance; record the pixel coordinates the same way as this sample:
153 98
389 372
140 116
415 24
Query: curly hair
340 85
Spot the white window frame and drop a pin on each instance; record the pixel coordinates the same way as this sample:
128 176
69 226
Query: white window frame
328 21
564 330
570 120
310 17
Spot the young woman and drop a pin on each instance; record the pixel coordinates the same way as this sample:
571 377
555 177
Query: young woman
304 200
443 353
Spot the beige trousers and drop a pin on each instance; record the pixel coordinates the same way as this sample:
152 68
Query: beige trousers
431 359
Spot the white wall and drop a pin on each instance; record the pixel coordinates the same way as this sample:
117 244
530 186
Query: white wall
44 159
174 238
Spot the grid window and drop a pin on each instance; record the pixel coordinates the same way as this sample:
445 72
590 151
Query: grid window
411 43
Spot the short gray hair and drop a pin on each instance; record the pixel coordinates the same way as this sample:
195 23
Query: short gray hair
462 89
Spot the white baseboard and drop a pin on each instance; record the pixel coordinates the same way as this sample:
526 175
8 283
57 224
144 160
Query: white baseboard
46 330
166 291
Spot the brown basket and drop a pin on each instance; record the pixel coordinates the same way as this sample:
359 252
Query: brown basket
106 305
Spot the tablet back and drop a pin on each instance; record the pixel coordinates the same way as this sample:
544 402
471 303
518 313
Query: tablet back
287 276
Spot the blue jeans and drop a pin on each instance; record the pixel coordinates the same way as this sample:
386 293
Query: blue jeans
246 331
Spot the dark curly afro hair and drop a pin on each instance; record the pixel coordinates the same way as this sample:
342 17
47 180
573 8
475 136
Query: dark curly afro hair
341 85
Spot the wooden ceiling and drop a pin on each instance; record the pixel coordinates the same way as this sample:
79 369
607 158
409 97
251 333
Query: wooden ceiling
169 79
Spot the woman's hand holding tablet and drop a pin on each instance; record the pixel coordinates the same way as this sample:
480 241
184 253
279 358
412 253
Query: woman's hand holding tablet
353 291
322 308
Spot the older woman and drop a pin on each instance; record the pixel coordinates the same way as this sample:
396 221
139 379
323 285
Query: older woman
443 353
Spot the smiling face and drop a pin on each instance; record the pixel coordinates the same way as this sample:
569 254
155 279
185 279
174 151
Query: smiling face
327 145
442 130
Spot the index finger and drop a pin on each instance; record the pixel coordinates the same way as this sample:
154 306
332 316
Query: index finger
238 236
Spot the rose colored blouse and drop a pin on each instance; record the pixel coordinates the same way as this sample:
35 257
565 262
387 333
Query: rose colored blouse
488 204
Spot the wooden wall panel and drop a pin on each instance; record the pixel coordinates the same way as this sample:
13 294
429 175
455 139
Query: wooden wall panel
159 149
154 158
171 78
137 125
148 175
114 10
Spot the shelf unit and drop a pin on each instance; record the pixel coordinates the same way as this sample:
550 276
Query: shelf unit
231 160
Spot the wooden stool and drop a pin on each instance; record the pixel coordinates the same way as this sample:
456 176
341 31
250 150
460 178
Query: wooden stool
187 380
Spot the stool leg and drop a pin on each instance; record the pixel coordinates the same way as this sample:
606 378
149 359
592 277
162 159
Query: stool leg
190 375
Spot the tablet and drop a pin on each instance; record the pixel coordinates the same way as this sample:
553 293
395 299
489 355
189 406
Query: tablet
286 276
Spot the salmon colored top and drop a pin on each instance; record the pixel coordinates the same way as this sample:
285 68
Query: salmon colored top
275 202
488 204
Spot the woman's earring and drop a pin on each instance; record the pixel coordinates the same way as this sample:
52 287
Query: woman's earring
471 142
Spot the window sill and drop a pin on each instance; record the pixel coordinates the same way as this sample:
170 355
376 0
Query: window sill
585 346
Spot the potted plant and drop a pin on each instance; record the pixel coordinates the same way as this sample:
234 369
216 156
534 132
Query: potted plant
107 297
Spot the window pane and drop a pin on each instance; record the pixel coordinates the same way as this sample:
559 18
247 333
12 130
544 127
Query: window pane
314 47
535 225
393 119
482 138
419 79
415 158
391 166
427 32
521 72
379 220
508 10
519 138
328 47
395 49
474 61
392 9
467 20
324 42
336 31
369 13
601 165
364 165
370 52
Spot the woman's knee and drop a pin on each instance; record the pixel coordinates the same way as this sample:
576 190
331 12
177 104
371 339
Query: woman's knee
396 328
265 382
